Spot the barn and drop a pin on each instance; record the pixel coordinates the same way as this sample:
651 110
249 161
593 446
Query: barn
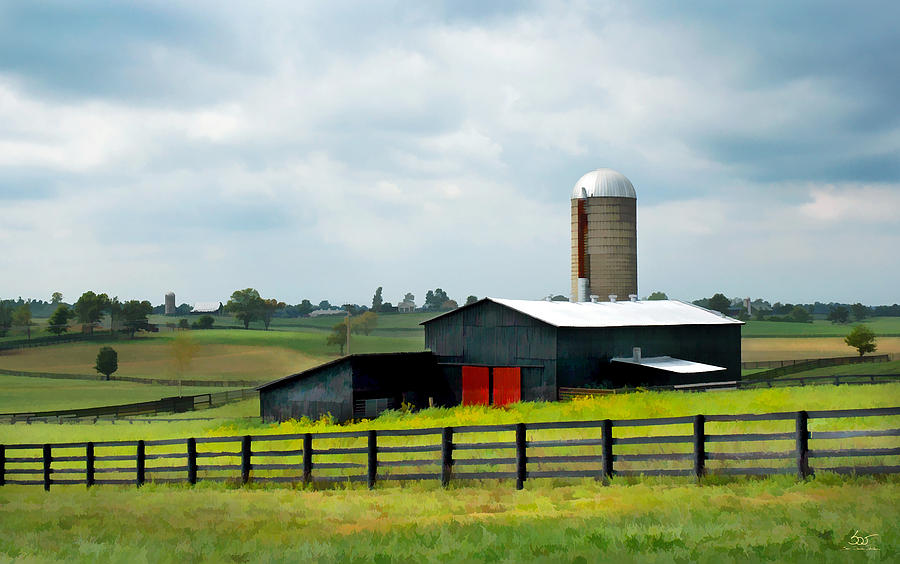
498 351
354 387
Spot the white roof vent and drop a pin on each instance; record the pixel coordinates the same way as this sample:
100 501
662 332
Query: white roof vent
633 297
612 298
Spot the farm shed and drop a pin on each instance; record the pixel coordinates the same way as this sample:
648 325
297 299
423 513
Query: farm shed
515 350
355 386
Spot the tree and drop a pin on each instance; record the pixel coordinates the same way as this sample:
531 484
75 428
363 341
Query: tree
304 307
22 317
409 297
862 339
246 305
839 314
658 296
6 314
324 304
338 335
205 322
183 324
471 300
365 323
59 321
107 361
267 309
860 311
449 305
434 299
135 314
800 314
90 307
56 298
719 303
377 301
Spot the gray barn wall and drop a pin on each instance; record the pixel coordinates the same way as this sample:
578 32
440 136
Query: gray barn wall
492 335
584 353
328 390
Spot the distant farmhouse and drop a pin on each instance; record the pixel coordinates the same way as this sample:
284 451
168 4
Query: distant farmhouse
500 351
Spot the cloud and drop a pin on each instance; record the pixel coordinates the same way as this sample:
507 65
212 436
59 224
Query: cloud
315 150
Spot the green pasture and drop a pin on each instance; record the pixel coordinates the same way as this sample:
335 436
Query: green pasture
882 326
890 367
228 354
770 520
21 394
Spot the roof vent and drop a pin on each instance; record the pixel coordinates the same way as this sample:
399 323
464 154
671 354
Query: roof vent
612 298
595 298
632 297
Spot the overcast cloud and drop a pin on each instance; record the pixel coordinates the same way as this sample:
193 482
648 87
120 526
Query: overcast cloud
318 150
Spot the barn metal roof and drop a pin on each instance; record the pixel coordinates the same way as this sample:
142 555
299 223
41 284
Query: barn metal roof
603 182
206 307
612 314
670 364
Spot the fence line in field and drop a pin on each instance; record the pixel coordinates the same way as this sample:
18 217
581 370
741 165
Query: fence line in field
809 363
134 379
571 393
177 404
298 458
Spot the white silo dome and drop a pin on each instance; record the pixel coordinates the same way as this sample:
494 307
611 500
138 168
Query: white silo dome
603 182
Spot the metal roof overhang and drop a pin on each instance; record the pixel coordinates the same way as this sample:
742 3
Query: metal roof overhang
669 364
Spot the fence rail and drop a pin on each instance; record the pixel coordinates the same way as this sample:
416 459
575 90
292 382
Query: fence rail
798 365
571 393
600 449
177 404
134 379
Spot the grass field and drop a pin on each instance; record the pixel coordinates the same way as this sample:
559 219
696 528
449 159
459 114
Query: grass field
771 520
566 520
811 347
44 394
882 326
891 367
230 354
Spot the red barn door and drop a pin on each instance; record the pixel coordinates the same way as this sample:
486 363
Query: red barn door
476 386
507 385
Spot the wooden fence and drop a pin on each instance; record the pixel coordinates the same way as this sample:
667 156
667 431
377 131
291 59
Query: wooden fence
177 404
810 363
567 394
135 379
699 445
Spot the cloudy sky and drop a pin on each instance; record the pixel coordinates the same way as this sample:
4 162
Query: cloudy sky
318 150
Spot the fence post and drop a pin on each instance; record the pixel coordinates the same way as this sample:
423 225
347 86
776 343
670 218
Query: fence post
373 458
48 458
2 465
521 459
141 463
307 458
699 446
245 459
803 470
192 460
89 464
446 455
606 452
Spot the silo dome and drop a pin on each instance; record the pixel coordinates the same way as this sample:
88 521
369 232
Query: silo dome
603 182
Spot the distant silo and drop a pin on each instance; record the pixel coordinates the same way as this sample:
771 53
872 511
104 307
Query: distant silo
170 303
604 236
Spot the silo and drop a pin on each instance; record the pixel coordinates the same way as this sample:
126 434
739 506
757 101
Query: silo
604 236
170 303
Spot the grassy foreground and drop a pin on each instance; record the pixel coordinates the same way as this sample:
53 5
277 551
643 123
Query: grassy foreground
770 520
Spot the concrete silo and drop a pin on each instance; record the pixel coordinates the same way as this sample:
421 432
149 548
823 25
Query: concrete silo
170 303
604 236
